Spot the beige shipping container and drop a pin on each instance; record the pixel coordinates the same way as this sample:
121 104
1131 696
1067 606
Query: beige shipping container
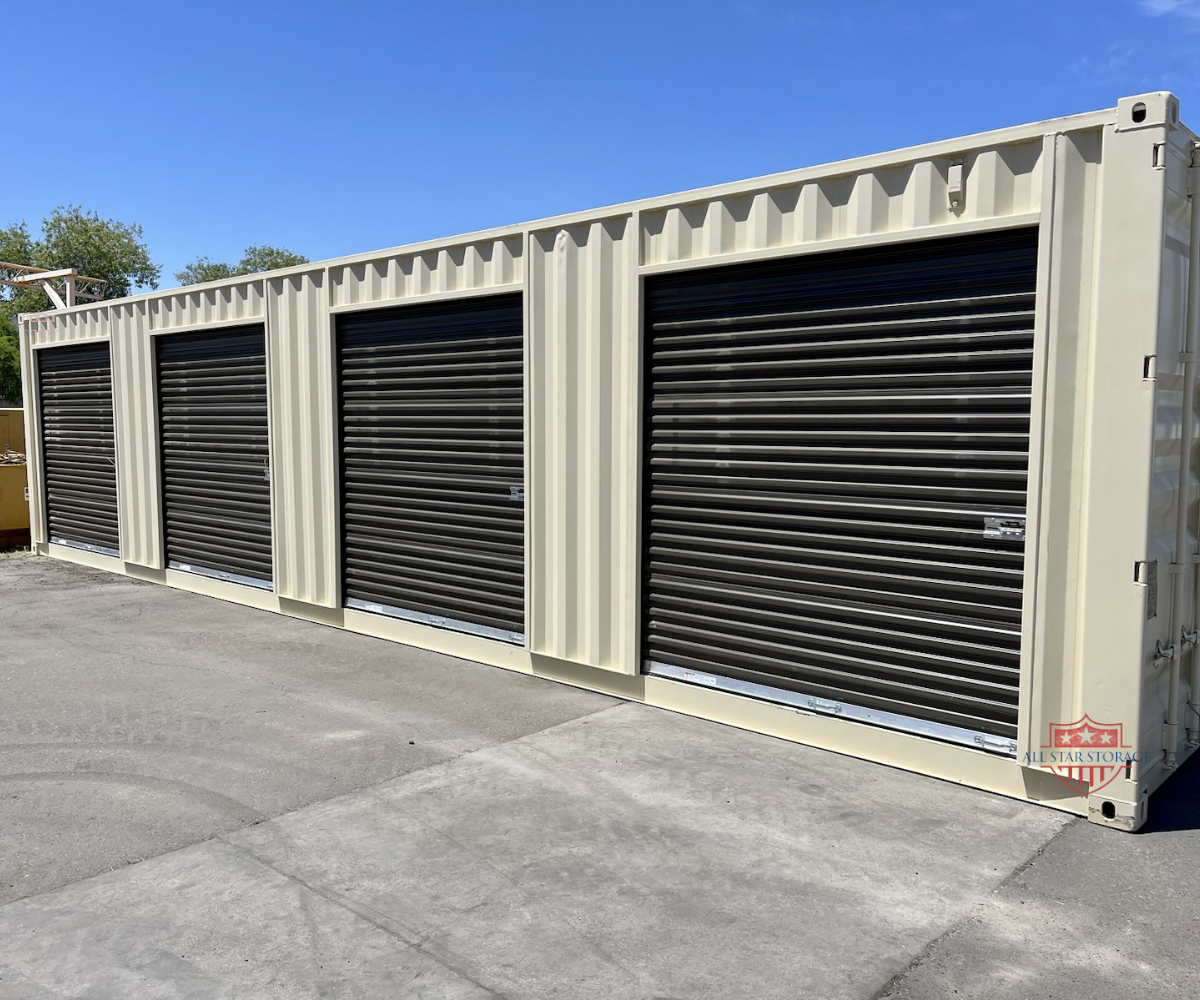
893 456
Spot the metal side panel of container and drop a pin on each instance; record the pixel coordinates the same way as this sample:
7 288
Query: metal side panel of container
432 463
78 446
216 480
837 451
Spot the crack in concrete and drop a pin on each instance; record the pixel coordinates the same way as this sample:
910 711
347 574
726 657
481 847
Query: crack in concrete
255 819
971 916
450 960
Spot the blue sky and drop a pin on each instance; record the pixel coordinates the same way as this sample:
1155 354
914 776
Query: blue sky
340 128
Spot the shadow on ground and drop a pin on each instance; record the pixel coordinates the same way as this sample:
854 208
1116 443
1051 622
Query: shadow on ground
1176 806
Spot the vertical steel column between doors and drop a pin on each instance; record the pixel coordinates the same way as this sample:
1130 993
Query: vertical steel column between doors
837 450
78 446
216 480
432 463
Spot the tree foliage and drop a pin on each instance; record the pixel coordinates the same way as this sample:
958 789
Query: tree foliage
10 363
204 269
70 237
256 259
73 237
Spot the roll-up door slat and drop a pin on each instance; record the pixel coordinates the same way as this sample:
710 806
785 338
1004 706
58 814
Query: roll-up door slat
212 396
78 445
827 439
432 451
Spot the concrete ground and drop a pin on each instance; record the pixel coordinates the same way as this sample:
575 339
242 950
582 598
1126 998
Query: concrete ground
199 800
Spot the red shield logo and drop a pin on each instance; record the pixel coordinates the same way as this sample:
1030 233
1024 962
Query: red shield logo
1087 755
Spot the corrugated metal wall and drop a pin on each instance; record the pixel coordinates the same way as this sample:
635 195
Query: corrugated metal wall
189 309
581 276
1002 182
582 284
467 267
137 435
583 337
1056 489
69 326
303 463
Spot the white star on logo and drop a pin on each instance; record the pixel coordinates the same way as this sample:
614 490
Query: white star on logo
1086 735
1106 737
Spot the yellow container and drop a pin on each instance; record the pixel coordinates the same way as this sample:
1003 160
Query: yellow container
14 506
12 430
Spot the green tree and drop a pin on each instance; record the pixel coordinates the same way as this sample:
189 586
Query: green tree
70 237
255 260
10 363
73 237
205 269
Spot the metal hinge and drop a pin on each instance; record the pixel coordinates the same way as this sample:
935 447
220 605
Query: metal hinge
1004 526
1145 574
